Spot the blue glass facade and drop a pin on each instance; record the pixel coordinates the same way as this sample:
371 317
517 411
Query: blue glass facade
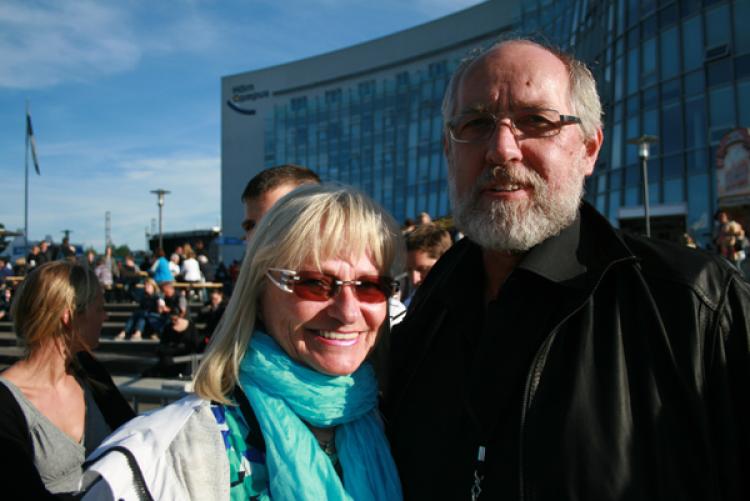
382 135
679 70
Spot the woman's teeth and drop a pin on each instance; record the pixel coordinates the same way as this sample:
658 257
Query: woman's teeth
338 336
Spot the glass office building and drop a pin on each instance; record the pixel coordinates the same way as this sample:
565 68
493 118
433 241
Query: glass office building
679 70
369 115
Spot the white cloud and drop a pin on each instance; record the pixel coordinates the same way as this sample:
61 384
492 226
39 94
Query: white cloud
48 43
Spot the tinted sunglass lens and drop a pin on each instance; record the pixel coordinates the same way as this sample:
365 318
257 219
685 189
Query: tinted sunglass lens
318 287
314 287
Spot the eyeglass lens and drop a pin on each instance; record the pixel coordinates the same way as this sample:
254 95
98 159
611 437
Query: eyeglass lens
319 287
474 127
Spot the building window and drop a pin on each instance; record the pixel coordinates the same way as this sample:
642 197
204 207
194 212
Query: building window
719 72
695 122
437 69
367 88
721 103
668 15
649 63
742 67
692 44
299 103
671 134
717 24
743 99
695 83
741 33
333 96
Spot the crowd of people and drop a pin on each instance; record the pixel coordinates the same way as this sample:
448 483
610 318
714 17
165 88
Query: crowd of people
163 310
544 354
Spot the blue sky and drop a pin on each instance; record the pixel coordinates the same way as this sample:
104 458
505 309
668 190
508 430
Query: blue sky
125 98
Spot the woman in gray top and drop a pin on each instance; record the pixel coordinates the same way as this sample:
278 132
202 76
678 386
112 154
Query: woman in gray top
56 403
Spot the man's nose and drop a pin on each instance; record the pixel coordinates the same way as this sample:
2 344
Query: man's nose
503 146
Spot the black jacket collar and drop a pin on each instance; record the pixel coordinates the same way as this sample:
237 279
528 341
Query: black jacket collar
575 258
580 253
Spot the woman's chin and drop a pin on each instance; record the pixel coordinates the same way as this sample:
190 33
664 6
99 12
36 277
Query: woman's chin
336 366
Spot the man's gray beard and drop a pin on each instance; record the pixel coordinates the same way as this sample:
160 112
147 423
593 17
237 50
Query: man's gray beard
515 225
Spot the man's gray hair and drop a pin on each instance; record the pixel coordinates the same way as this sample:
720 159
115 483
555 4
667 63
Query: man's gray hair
584 98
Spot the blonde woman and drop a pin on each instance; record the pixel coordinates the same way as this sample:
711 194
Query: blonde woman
286 404
56 403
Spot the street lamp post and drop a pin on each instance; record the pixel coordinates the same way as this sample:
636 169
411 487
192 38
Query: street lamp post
643 143
160 202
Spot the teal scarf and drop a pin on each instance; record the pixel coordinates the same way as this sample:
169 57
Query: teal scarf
282 393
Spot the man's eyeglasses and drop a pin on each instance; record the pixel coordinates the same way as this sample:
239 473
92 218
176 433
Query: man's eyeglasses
481 126
316 286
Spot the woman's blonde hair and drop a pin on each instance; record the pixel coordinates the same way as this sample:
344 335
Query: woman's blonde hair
187 251
150 281
311 224
43 298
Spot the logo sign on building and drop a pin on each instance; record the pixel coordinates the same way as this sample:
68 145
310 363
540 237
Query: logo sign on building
245 94
733 167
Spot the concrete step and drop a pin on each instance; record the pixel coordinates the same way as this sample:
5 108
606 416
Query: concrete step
148 393
145 347
128 306
118 316
9 354
116 363
8 338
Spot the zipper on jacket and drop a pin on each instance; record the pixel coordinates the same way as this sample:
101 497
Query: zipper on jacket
476 488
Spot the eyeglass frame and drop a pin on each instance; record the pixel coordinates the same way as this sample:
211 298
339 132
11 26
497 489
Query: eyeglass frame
338 284
517 133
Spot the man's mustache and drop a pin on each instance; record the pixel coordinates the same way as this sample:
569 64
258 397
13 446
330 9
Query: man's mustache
505 174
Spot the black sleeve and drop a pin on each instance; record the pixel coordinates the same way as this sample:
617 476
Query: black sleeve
18 476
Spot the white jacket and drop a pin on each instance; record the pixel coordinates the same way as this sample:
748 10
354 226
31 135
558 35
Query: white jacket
178 451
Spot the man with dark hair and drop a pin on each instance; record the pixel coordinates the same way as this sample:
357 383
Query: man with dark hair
267 187
178 335
424 246
548 356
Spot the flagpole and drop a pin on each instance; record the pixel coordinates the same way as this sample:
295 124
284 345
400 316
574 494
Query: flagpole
26 198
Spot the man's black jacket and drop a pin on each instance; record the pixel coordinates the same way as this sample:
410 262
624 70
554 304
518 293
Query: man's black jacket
639 387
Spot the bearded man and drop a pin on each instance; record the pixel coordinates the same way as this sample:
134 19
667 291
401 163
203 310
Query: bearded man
547 356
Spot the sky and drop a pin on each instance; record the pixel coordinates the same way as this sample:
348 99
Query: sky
125 98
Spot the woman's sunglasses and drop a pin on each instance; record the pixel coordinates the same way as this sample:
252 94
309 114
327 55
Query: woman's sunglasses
316 286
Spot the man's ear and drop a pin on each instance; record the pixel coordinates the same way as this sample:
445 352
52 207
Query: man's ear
593 145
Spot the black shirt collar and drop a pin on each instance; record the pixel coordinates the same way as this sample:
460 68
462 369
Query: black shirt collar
556 258
574 258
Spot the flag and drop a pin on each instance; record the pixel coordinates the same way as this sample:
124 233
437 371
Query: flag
30 140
